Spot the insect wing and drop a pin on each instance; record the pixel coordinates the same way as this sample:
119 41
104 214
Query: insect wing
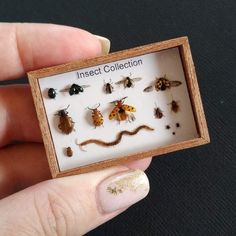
120 81
175 83
85 86
136 79
114 113
128 108
148 89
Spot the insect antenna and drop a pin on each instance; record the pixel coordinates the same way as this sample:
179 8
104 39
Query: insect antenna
97 106
67 107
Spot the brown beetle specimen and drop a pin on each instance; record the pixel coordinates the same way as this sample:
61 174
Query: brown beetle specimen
66 124
69 152
174 106
158 112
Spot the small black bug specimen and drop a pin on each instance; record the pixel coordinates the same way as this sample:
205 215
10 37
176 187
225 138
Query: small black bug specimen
128 82
167 127
158 112
108 87
177 125
69 152
174 106
66 124
173 133
52 93
76 89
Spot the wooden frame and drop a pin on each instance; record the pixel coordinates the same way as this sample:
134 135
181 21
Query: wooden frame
184 49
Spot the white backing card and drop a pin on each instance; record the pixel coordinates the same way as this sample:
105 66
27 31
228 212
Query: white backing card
148 67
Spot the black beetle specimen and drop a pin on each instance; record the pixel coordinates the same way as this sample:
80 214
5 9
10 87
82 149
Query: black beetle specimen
52 93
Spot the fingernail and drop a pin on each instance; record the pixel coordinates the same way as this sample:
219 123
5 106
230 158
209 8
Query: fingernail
122 190
105 44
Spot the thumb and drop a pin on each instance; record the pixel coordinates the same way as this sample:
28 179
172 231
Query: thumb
72 205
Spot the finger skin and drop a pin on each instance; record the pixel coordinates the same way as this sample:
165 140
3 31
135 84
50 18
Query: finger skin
18 116
23 165
26 46
63 206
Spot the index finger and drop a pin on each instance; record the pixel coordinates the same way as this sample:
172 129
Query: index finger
28 46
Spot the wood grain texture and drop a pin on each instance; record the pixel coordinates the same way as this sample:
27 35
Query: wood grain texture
193 89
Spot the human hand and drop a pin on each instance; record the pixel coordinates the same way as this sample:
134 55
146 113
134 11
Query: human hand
66 206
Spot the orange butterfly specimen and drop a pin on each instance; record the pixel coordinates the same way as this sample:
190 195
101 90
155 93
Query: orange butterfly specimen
120 111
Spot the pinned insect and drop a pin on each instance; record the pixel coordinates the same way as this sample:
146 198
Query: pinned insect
66 124
52 93
69 152
174 106
162 84
158 113
96 116
120 111
128 82
108 87
75 89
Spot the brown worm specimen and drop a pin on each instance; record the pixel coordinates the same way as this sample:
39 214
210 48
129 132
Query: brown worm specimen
117 140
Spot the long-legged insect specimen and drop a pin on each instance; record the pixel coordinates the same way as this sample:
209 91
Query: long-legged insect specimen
120 111
97 116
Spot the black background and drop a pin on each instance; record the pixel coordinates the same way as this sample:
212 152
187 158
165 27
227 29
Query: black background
193 192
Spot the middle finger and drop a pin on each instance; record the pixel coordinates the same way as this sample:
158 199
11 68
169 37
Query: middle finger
18 120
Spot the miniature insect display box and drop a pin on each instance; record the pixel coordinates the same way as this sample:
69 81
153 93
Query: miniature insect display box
120 107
